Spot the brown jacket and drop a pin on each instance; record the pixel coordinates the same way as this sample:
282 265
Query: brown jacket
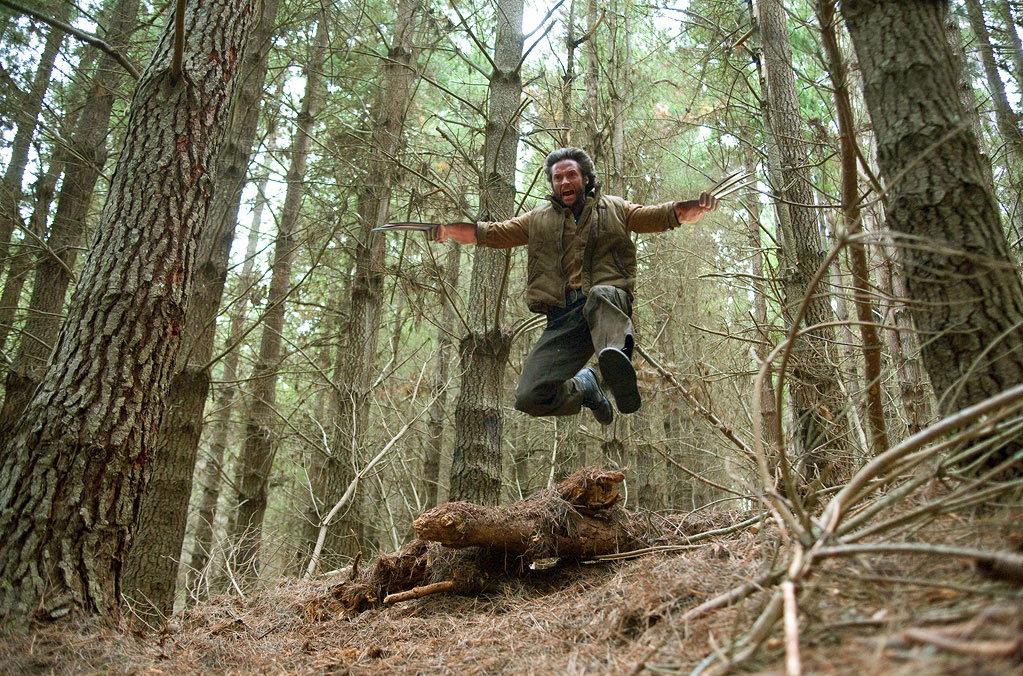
609 256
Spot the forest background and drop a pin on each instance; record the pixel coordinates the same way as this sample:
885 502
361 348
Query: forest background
216 375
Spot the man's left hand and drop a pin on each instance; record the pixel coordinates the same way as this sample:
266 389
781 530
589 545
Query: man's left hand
691 211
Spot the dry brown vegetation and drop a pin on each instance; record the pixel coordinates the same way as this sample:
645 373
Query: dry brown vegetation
901 613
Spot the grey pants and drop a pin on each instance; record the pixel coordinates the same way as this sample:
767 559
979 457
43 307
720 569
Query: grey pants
573 334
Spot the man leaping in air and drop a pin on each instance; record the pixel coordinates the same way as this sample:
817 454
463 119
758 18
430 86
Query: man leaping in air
581 274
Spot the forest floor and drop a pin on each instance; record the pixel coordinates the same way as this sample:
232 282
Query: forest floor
869 614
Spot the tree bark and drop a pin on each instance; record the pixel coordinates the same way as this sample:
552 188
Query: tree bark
152 569
258 450
479 422
817 402
966 291
55 263
73 472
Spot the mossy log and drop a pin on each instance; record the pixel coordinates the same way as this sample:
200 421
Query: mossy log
464 548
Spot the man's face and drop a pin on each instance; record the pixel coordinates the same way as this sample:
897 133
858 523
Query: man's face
567 182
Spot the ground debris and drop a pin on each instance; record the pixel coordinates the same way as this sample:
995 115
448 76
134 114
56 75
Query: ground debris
871 614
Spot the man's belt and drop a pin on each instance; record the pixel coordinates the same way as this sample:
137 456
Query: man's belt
573 296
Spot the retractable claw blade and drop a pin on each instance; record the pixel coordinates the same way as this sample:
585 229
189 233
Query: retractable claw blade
407 226
735 187
723 187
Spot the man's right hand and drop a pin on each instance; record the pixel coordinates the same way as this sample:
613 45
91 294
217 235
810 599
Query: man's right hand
463 233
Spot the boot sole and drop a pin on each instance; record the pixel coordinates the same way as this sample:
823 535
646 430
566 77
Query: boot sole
620 377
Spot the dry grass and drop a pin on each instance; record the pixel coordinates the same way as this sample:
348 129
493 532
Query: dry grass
877 614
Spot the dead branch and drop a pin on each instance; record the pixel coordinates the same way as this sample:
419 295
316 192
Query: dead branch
419 592
985 648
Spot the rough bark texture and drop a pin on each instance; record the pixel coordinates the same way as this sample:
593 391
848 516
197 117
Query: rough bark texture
261 422
152 569
817 403
72 475
55 263
967 294
355 358
479 423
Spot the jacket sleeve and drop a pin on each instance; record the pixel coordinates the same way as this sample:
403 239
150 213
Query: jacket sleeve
504 234
656 218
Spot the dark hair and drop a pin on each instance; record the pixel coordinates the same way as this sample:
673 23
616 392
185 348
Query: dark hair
586 166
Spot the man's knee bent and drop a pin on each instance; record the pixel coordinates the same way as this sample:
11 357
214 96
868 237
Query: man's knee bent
535 399
612 295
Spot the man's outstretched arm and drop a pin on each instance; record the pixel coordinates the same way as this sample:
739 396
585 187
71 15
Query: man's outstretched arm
496 235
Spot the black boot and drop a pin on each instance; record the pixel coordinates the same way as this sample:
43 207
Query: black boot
620 376
594 398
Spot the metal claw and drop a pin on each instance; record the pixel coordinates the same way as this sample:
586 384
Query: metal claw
413 226
723 186
734 188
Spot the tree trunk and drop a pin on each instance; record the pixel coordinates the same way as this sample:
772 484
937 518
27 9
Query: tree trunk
357 353
594 125
1012 41
22 257
54 266
72 475
225 403
966 291
27 116
904 343
479 423
852 225
445 352
152 570
817 403
768 400
1008 123
257 456
568 79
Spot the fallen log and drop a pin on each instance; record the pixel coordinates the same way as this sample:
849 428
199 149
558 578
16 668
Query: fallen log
465 548
577 519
